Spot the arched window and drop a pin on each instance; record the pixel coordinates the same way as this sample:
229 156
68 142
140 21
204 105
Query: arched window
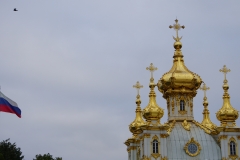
232 148
155 146
182 105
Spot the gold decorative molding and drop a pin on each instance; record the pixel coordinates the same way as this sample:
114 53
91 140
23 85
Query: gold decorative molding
186 125
191 106
223 158
155 137
223 129
164 158
146 135
192 141
145 157
233 157
155 155
164 135
131 148
172 105
238 137
207 130
222 137
182 112
171 127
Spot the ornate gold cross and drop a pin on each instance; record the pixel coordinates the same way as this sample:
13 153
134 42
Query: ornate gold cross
204 88
224 70
177 27
138 86
151 68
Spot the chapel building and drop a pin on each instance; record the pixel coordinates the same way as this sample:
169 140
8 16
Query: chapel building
182 137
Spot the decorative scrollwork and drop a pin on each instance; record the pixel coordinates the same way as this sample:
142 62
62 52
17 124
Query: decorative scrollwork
186 125
192 148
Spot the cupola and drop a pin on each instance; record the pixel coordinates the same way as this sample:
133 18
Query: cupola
152 111
227 115
179 78
136 126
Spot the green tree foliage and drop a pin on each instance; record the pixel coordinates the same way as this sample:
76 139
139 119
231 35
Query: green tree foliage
46 157
1 156
10 151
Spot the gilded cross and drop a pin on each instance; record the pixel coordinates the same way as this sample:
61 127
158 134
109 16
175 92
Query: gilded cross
177 27
151 68
204 88
225 70
138 86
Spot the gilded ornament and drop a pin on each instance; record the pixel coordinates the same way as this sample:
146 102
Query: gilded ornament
131 148
155 155
145 157
179 79
164 158
182 112
238 137
168 103
164 135
173 105
152 111
222 137
155 137
171 127
207 130
147 135
227 115
206 118
136 127
186 125
233 157
192 148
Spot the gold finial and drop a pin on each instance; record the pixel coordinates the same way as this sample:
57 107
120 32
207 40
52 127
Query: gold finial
227 115
138 86
137 125
177 27
225 70
152 110
204 88
206 118
151 68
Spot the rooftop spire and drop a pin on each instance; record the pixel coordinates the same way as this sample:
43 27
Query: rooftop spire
206 119
135 126
152 111
227 115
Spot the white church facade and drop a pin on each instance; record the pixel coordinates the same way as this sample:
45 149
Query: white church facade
181 137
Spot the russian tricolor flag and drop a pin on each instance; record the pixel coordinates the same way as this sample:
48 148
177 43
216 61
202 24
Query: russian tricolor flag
8 105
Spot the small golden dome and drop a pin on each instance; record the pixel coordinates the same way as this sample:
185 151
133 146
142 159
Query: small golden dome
152 111
136 126
227 114
179 78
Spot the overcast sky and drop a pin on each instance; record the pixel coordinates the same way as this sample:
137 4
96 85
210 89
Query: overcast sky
71 64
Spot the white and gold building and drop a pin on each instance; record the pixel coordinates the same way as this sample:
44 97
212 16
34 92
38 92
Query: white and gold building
182 137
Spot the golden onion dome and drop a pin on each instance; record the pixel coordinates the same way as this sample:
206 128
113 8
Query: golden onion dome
179 78
152 111
227 115
136 126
